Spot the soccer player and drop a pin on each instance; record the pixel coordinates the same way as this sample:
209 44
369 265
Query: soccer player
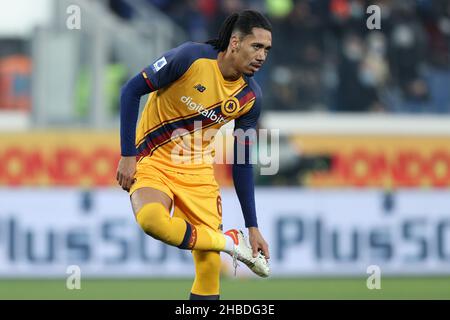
196 83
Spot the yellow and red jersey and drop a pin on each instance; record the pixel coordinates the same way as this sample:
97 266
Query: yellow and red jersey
189 95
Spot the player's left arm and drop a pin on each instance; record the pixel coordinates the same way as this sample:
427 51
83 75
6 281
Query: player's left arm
245 137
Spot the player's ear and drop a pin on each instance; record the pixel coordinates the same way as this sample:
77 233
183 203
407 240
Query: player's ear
234 42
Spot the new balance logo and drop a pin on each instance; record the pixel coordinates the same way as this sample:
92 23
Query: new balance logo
200 88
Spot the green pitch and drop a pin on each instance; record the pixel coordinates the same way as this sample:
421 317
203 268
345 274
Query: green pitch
293 288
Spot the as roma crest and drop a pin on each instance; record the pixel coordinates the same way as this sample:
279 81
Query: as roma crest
230 106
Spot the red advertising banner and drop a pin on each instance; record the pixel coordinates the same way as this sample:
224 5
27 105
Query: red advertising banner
89 158
65 158
70 158
378 161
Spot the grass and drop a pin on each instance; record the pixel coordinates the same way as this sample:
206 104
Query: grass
253 289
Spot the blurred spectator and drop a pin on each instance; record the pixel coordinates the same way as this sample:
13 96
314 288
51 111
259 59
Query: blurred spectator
225 8
121 8
15 75
191 19
301 59
356 90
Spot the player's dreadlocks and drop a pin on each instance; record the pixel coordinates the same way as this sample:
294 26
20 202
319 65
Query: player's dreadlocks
243 22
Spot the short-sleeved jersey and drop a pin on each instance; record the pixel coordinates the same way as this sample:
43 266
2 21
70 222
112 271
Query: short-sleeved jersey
189 97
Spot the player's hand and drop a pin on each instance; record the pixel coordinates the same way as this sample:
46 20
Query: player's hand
258 243
125 172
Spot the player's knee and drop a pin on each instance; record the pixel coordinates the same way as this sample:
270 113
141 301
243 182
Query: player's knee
154 219
151 218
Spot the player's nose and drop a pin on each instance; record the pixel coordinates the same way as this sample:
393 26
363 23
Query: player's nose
261 57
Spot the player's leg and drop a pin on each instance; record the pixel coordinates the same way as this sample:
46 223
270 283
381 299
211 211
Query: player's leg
207 263
151 208
197 200
152 196
152 211
207 275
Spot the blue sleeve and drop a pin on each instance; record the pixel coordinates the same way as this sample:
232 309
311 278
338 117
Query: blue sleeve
242 164
171 65
129 110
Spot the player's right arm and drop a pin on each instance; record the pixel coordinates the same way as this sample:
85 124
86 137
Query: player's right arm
129 110
161 73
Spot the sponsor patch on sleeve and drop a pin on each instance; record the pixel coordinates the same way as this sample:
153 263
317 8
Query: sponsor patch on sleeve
159 64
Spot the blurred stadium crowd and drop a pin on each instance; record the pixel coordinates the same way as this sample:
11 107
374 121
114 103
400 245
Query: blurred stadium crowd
325 58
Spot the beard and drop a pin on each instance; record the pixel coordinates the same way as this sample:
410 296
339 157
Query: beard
249 73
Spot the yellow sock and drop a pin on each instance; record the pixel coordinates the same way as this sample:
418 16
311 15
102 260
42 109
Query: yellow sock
207 273
156 221
209 240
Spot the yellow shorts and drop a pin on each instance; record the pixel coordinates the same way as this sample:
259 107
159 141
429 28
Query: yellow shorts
195 197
